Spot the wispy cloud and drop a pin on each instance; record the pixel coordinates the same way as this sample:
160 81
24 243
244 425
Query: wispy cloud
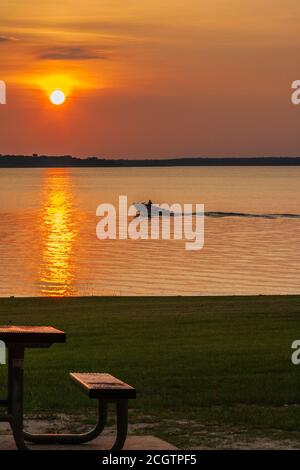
7 38
72 53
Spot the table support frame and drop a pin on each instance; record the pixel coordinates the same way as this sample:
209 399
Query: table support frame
15 411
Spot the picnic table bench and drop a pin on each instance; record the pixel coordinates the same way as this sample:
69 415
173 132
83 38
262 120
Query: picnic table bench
101 386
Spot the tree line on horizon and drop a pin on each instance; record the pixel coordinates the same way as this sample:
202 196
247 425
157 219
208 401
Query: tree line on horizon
46 161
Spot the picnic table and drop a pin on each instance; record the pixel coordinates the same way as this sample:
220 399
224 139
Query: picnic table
100 386
17 339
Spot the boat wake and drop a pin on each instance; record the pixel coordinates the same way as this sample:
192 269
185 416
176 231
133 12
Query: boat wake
251 215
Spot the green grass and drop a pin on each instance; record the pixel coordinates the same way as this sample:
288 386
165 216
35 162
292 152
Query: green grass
223 360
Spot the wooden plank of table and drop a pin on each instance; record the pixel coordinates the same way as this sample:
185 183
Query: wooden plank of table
31 334
103 385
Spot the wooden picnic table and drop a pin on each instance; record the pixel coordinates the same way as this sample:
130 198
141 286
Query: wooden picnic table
17 339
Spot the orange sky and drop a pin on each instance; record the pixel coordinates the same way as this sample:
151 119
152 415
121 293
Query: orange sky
150 78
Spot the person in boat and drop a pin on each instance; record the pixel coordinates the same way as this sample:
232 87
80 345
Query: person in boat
149 205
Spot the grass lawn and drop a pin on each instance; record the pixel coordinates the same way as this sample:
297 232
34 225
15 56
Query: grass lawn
215 361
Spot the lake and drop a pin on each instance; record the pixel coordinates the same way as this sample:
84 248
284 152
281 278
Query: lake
48 243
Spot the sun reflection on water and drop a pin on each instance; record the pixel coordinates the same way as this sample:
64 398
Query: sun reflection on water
59 234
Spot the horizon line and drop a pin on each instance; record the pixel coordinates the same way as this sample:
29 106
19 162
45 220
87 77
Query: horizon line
45 161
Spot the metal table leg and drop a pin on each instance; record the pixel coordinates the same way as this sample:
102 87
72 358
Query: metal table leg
122 424
15 393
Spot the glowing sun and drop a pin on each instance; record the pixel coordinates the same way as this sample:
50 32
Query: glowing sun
57 97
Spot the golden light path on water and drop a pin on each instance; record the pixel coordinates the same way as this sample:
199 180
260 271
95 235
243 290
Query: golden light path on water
58 231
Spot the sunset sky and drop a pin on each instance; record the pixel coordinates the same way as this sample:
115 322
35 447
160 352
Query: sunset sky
150 78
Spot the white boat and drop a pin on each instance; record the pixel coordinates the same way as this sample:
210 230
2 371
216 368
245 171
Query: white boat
148 209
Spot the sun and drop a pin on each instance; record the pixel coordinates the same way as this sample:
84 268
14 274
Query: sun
57 97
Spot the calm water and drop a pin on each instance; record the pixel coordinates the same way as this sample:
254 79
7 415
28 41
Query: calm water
48 244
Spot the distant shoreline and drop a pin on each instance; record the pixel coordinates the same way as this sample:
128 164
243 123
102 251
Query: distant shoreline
47 161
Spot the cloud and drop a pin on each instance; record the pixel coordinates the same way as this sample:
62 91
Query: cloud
7 39
72 53
131 29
